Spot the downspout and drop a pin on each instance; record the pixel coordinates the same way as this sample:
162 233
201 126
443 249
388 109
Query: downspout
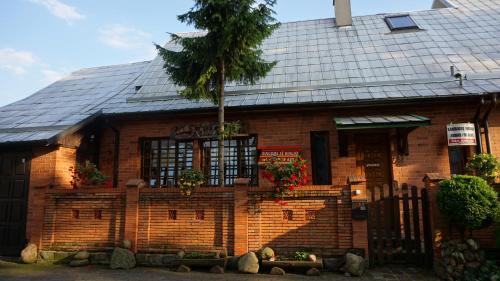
116 154
486 123
477 122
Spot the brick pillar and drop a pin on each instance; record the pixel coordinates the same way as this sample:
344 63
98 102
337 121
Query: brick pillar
241 216
36 213
438 223
357 188
132 211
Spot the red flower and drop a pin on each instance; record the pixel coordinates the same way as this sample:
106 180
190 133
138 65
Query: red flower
293 177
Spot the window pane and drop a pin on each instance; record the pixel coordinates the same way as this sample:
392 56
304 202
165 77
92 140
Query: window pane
400 22
240 160
164 159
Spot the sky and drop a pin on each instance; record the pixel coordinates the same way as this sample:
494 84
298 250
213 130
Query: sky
42 41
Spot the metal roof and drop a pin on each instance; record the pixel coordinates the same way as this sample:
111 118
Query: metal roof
317 63
381 121
65 104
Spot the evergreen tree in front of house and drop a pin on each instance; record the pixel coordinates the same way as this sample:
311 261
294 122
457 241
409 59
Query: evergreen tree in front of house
228 52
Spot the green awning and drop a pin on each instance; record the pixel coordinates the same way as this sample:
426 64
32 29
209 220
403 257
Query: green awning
384 121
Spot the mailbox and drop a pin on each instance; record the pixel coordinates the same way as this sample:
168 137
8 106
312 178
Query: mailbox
360 212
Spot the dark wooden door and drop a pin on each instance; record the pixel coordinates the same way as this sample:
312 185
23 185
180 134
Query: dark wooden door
320 152
14 182
372 159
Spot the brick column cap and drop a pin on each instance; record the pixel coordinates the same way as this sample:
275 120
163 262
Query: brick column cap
433 177
136 183
356 179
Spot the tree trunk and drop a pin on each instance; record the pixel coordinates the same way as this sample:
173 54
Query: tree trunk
220 90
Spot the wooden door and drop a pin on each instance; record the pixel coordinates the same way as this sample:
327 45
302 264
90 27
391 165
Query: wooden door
14 182
373 159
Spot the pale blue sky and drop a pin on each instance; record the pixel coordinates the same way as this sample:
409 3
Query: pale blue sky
43 40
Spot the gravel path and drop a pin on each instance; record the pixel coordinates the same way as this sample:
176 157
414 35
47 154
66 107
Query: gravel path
10 271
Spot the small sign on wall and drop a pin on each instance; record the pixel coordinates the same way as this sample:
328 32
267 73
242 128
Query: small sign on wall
283 154
461 134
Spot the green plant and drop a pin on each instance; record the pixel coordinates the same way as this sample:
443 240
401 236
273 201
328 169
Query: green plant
468 202
189 180
485 166
231 129
301 255
87 174
488 271
286 177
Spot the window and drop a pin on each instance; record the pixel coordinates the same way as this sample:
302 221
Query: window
287 215
164 159
311 215
400 22
172 214
240 160
200 215
98 214
320 152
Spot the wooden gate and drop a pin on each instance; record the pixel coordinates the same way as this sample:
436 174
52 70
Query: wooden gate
398 226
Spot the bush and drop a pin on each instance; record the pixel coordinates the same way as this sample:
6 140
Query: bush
468 202
485 166
488 271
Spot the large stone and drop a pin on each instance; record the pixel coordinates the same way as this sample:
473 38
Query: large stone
334 264
100 258
354 264
313 272
311 257
473 245
277 271
183 268
122 259
126 244
248 263
29 254
77 263
83 255
217 269
266 253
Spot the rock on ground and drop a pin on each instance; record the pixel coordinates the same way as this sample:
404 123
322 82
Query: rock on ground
183 268
312 258
30 253
354 265
248 263
126 244
122 259
334 264
76 263
277 271
313 272
82 255
266 253
217 269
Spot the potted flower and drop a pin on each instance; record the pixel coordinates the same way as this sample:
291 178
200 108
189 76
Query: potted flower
87 175
189 180
285 177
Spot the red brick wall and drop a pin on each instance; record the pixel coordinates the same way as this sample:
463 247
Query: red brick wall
158 232
62 230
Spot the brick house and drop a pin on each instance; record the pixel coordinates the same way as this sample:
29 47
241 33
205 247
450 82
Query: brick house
363 98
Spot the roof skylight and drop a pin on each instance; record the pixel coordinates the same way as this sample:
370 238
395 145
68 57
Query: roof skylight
400 22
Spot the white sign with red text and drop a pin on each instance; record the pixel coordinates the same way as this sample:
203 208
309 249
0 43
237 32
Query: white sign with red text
461 134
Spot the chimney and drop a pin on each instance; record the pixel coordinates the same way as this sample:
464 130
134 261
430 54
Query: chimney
343 15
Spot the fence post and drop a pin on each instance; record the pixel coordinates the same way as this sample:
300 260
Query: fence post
437 222
359 199
241 216
132 211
